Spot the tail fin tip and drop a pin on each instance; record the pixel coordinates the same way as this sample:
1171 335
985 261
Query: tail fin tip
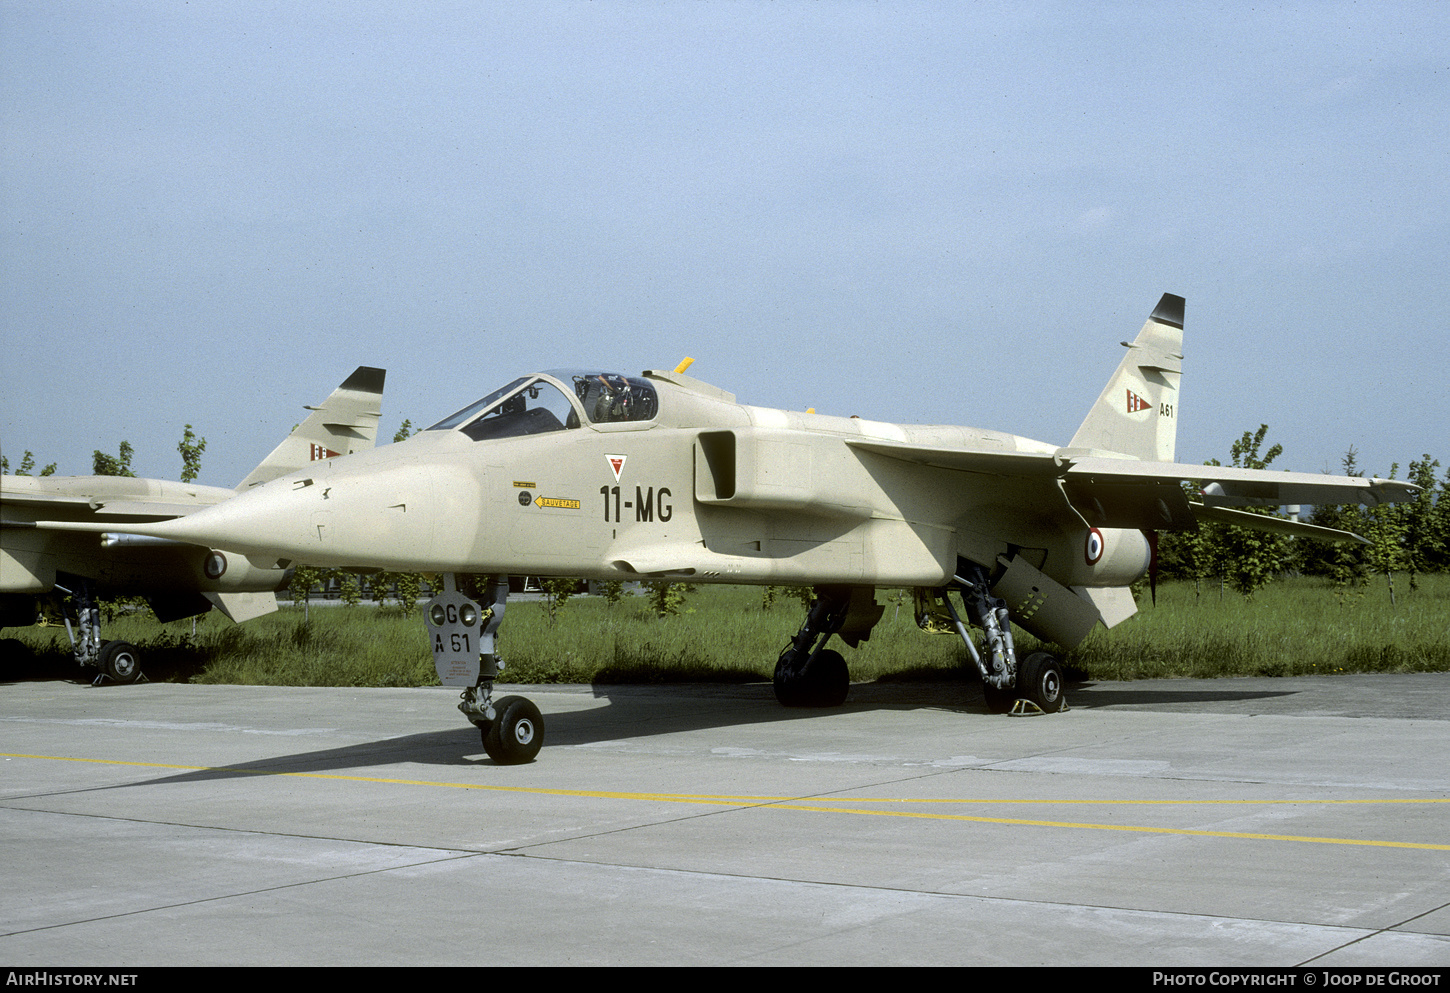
1169 311
366 379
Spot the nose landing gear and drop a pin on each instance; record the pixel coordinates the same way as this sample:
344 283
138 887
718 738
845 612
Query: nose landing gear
463 634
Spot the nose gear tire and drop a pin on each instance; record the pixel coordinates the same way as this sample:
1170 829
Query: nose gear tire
516 733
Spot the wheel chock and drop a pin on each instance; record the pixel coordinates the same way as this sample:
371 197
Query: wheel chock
1026 708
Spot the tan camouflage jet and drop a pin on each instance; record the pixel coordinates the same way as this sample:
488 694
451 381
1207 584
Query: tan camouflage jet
179 579
660 476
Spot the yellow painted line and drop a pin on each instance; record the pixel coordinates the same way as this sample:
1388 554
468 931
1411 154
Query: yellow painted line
825 806
1141 829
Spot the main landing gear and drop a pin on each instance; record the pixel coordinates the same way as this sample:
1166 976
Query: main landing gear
1032 685
115 661
808 674
463 633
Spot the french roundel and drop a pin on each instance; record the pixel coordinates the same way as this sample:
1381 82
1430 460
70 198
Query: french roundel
1093 549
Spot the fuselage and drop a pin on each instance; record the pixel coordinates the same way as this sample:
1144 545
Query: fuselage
549 479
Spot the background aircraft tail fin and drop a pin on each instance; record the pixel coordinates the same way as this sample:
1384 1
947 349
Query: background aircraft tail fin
346 422
1137 412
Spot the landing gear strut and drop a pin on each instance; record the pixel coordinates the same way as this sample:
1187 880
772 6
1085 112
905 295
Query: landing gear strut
1033 685
463 633
117 661
808 674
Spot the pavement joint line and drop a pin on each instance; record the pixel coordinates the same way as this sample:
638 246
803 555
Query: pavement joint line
239 893
818 805
1387 929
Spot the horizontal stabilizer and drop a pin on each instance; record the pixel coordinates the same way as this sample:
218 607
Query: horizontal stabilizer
1275 525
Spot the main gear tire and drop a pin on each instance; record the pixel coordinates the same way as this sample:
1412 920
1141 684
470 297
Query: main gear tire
828 679
825 682
120 661
1040 680
787 681
999 701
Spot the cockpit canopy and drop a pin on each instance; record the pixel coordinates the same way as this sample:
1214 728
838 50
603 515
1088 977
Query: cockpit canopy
555 401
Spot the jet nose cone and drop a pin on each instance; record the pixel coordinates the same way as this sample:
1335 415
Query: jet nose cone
391 517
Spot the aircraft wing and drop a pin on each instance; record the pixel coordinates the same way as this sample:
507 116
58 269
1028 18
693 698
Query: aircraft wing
1227 486
1128 493
112 509
106 496
996 463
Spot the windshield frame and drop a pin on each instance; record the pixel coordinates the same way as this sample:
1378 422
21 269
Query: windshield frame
481 406
570 383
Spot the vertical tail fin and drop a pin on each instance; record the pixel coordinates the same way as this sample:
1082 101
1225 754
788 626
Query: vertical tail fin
346 422
1137 413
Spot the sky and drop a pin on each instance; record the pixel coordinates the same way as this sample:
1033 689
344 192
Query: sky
212 212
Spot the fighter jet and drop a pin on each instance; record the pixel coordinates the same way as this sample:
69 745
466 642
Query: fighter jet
179 579
590 473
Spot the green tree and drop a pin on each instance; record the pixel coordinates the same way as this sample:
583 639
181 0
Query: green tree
27 462
556 591
299 587
1387 529
474 585
1419 519
407 587
1435 546
404 432
349 589
1344 563
1244 559
113 465
666 598
804 594
1195 554
190 448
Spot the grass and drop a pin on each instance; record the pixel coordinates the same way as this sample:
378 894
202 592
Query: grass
1295 627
